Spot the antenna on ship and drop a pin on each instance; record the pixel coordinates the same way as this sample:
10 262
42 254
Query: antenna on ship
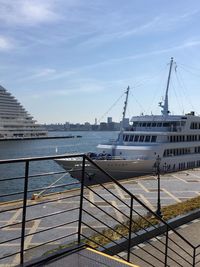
165 107
123 115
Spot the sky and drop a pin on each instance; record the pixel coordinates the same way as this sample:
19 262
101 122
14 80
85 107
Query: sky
72 60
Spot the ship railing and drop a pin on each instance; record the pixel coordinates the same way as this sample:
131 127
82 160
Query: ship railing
105 216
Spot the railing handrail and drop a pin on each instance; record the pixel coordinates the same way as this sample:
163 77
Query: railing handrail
29 159
4 161
139 201
84 157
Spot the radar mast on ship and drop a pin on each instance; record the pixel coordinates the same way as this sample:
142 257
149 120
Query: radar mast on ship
165 107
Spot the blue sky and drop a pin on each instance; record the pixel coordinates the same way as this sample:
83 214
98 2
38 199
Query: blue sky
70 60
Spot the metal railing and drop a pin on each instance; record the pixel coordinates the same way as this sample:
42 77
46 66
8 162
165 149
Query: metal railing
107 217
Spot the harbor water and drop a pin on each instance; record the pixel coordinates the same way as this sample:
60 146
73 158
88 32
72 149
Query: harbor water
39 148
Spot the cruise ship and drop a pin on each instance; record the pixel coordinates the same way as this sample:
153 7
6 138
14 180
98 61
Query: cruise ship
171 140
15 122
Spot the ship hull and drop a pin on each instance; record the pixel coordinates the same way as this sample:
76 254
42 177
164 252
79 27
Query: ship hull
118 169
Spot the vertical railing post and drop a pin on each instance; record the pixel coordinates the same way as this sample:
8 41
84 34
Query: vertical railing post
166 246
81 200
24 211
194 257
130 229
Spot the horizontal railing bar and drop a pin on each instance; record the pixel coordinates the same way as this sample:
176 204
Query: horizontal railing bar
12 194
45 174
10 255
51 241
50 228
106 213
40 203
37 218
9 225
51 201
11 178
5 161
13 224
12 209
49 187
31 176
51 214
10 240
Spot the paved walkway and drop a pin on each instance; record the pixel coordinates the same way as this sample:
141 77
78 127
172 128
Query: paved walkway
175 188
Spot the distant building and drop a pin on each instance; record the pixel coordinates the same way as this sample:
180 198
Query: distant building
109 120
15 122
125 123
103 126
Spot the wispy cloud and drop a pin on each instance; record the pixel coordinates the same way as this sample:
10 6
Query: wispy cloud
27 12
47 74
5 43
184 45
113 32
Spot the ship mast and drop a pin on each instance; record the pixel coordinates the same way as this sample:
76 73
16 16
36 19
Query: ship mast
165 107
123 116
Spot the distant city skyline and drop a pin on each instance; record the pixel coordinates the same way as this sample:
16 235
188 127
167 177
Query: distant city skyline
73 60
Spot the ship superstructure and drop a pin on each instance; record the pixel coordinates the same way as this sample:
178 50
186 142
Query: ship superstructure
15 122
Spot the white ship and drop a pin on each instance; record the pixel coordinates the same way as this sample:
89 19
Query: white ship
173 139
15 122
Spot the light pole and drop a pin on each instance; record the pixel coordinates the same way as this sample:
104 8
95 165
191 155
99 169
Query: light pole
157 165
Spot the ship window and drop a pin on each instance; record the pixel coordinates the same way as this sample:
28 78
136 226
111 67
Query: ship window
166 124
131 138
153 138
136 138
141 138
148 124
159 124
147 139
126 138
144 124
153 124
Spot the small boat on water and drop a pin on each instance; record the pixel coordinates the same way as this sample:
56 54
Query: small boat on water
174 140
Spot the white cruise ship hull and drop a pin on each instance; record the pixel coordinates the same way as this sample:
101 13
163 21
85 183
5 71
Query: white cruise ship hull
118 169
